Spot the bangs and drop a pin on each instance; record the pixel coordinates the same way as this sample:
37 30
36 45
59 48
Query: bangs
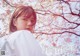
27 12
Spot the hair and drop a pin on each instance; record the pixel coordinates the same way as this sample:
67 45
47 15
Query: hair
27 11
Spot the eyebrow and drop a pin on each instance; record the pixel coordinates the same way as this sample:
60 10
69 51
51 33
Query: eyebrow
28 17
24 17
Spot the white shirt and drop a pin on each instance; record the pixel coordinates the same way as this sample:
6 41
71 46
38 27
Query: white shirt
22 43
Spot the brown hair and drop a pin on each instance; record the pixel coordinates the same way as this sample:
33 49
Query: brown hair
22 11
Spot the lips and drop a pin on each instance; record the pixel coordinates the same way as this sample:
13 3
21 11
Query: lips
28 29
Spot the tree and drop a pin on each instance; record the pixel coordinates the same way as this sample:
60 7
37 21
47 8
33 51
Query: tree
58 24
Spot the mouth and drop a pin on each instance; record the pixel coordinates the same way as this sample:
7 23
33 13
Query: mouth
28 29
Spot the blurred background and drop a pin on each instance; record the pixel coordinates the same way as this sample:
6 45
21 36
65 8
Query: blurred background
58 24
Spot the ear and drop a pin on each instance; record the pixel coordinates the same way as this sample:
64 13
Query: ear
14 22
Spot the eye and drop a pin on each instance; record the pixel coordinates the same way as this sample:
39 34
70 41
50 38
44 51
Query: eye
33 21
24 19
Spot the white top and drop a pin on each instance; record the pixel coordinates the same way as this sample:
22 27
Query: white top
22 43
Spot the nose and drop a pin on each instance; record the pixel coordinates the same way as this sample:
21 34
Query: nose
29 22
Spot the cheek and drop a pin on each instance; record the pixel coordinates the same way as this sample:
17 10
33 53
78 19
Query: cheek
20 24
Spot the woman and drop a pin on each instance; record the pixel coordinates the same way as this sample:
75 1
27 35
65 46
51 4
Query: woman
21 42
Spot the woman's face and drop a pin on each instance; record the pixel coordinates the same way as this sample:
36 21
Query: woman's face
23 23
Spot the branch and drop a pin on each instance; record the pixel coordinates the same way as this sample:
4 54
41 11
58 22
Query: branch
57 33
8 3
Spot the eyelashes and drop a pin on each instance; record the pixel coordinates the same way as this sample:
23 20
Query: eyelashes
33 21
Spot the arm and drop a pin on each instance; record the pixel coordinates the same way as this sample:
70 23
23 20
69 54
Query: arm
26 45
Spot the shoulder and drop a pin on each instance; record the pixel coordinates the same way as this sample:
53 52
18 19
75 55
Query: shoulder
18 35
21 32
